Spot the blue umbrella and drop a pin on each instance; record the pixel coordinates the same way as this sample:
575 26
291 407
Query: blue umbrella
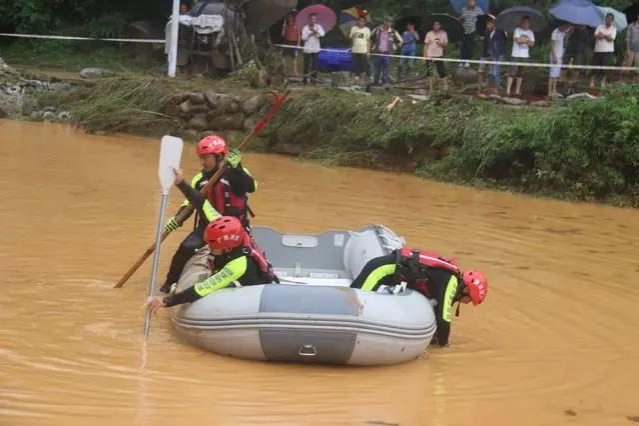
577 12
620 22
458 5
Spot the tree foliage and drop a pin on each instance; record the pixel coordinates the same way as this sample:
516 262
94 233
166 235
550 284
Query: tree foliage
38 15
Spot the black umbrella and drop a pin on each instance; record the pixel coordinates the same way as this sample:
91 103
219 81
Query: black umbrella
511 18
451 24
261 14
207 7
418 21
631 12
482 23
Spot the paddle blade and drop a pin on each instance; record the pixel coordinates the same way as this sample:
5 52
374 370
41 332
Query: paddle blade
170 156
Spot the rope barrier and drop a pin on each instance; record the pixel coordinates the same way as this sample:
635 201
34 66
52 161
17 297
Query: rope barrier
54 37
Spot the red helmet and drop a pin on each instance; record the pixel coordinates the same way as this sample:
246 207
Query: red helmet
212 145
477 285
224 233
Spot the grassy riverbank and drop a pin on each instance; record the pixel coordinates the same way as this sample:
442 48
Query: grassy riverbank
586 150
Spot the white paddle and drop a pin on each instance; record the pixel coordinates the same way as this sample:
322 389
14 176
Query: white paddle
170 155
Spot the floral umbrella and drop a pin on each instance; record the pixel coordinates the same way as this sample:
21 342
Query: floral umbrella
325 17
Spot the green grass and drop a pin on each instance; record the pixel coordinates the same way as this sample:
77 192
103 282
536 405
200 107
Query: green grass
72 55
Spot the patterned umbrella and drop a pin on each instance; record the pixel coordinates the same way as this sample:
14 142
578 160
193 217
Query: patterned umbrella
510 18
325 17
348 19
620 22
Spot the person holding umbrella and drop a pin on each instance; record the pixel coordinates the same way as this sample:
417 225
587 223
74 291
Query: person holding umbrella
556 48
468 17
605 35
311 34
632 45
576 44
384 42
524 39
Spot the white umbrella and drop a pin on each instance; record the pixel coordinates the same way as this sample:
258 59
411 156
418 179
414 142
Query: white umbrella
620 22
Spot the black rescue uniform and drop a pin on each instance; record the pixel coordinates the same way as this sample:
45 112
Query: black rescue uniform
439 284
228 198
232 268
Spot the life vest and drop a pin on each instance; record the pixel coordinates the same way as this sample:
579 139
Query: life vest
259 257
412 266
252 250
227 203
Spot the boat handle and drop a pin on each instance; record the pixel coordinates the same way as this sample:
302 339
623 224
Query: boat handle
308 350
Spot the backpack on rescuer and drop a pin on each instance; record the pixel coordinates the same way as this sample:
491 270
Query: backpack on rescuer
259 257
412 262
412 265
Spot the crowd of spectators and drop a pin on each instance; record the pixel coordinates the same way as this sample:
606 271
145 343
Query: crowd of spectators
566 46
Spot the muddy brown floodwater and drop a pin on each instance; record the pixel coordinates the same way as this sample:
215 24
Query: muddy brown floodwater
555 343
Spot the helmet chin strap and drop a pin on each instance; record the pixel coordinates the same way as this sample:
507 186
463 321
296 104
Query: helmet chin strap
458 306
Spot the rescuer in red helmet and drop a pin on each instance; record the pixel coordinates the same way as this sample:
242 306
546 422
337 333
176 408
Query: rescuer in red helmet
228 197
235 259
436 277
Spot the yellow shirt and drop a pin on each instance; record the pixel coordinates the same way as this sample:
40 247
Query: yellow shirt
361 38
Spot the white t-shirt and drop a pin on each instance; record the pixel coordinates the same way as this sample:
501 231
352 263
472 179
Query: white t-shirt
312 41
603 45
558 38
522 50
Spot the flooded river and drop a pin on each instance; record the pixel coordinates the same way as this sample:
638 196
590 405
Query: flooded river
555 343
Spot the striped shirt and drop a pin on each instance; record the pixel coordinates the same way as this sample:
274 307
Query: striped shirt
470 19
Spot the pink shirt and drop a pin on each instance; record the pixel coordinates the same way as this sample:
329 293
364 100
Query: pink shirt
384 42
433 49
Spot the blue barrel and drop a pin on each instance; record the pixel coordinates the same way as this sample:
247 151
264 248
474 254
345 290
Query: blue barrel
334 60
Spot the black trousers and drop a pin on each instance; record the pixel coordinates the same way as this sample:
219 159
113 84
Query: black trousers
468 46
310 66
194 241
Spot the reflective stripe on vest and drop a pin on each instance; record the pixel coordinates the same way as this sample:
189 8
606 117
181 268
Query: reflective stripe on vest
449 298
232 271
377 275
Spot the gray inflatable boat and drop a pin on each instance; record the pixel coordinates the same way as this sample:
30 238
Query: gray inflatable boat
312 316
